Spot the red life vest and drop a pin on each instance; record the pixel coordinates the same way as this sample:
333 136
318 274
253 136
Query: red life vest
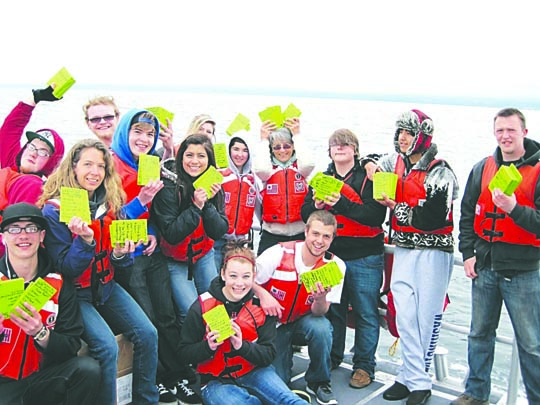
191 249
101 265
129 181
284 195
240 199
286 287
410 189
19 357
223 363
349 227
493 224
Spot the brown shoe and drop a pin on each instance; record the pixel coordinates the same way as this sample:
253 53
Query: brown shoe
360 379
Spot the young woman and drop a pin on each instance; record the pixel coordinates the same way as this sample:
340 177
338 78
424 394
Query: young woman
236 370
284 183
242 195
189 221
82 251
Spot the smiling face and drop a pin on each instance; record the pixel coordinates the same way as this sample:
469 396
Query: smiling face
195 160
31 161
22 245
510 136
318 238
141 138
282 150
238 277
102 120
207 128
405 140
239 155
90 170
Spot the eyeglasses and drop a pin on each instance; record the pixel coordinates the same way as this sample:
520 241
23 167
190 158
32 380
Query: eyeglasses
14 230
285 146
40 152
97 120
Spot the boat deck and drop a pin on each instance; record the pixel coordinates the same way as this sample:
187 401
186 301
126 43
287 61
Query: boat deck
372 394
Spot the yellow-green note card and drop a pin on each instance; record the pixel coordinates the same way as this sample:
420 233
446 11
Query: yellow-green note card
10 291
128 229
209 177
149 169
74 203
36 294
161 114
240 122
384 182
218 320
63 82
220 152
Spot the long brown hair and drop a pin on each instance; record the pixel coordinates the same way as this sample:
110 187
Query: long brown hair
65 176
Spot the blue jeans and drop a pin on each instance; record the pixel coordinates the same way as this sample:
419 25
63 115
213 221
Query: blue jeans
260 386
316 333
185 291
521 296
149 283
121 314
361 288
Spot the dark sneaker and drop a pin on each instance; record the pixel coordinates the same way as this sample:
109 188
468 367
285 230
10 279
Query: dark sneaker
166 396
323 393
185 394
464 399
396 392
419 397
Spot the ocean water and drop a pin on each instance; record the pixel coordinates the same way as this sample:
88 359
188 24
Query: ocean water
462 133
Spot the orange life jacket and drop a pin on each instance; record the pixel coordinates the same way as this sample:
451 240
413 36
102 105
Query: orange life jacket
284 195
129 178
410 189
495 225
19 356
224 363
240 200
191 249
286 287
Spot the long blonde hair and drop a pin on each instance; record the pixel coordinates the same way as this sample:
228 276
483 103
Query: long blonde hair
65 176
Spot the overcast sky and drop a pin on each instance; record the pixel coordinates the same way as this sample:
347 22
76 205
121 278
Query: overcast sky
453 48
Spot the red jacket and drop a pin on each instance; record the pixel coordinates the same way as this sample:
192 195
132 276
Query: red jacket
286 287
191 248
493 224
19 356
284 195
223 363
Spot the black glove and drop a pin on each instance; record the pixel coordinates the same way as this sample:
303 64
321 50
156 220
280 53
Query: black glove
44 95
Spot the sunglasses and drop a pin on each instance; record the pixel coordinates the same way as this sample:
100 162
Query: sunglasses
14 230
285 146
97 120
40 152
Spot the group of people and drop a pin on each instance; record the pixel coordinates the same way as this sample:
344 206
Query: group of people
199 255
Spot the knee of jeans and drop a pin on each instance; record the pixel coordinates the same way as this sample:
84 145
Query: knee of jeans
148 336
319 328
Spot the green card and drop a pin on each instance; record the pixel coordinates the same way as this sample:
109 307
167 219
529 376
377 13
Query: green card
149 169
272 114
36 294
209 177
161 114
507 179
220 151
218 320
74 203
63 82
384 182
328 275
291 112
240 122
10 291
128 229
324 186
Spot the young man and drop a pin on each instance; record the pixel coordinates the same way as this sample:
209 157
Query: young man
38 349
148 281
301 313
24 168
360 243
101 115
424 253
498 238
